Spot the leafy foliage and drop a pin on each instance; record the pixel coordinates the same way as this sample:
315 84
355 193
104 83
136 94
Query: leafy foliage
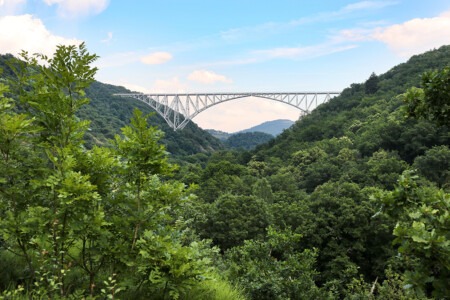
330 209
275 269
79 222
433 101
422 234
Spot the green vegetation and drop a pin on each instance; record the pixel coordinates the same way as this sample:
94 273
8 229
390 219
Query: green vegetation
361 187
352 202
100 222
247 140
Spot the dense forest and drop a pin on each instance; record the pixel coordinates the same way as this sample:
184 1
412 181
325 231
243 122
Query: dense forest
351 202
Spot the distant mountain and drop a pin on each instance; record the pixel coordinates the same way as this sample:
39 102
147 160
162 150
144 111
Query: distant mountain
250 138
273 128
247 140
221 135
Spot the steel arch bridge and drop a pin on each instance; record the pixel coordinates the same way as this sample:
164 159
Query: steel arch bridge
179 109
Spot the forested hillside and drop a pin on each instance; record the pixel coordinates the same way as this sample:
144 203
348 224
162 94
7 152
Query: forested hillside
247 140
108 114
356 193
352 202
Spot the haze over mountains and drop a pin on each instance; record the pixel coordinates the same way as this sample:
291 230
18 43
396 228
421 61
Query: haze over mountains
273 128
254 136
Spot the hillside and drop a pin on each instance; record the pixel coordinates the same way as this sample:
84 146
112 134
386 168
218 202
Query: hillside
108 114
221 135
360 115
355 180
247 140
351 202
273 128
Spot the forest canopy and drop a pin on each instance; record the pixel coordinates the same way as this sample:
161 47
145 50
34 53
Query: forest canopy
352 202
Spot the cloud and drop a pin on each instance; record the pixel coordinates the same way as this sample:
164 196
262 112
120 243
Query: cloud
298 53
250 32
108 38
76 8
416 36
405 39
116 59
156 58
28 33
10 7
330 46
366 5
208 77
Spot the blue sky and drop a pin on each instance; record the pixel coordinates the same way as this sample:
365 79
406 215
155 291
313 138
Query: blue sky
231 46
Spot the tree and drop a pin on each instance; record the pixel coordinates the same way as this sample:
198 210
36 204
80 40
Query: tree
87 222
275 268
371 84
64 207
435 165
422 234
235 218
350 241
432 102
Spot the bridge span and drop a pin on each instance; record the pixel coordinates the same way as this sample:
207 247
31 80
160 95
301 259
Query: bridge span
179 109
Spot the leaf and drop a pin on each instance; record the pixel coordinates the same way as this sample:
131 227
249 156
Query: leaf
419 239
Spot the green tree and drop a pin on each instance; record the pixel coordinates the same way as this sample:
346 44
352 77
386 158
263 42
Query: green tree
371 84
422 234
87 222
275 268
384 168
235 218
435 165
350 241
65 207
432 102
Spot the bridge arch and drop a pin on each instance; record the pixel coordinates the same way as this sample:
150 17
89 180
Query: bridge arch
178 109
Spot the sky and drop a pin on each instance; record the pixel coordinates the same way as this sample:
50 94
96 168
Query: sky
194 46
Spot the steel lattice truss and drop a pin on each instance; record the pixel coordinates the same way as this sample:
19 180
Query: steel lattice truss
179 109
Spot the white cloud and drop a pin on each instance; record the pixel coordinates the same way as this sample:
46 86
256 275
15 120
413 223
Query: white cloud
416 36
76 8
208 77
156 58
116 59
265 29
367 5
28 33
303 52
10 7
108 39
